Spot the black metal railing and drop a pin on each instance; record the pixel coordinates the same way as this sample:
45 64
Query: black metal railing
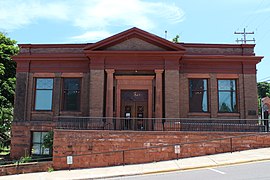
162 124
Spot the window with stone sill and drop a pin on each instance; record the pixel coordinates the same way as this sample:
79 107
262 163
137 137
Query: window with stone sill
227 100
37 144
71 96
43 94
198 95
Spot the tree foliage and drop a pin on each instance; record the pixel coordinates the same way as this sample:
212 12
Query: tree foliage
8 49
48 141
176 39
263 89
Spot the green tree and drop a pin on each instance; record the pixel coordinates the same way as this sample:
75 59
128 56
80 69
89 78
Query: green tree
8 48
176 39
263 89
48 141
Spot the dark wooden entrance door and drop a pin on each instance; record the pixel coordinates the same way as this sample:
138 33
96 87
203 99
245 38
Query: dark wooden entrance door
134 109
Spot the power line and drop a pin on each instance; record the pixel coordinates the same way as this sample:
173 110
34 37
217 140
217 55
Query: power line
263 36
245 40
255 14
267 81
264 79
252 16
262 23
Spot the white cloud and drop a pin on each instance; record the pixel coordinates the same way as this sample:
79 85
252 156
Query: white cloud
16 14
104 13
91 36
90 15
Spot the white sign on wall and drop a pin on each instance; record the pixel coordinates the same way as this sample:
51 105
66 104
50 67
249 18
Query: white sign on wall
69 160
177 149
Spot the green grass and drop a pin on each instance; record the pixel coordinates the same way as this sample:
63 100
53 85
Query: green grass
50 169
4 151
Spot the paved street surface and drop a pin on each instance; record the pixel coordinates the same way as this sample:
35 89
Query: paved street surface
212 162
255 170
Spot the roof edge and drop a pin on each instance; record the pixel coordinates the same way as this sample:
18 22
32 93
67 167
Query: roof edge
134 31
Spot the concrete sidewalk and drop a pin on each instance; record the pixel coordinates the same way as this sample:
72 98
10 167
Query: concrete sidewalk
149 168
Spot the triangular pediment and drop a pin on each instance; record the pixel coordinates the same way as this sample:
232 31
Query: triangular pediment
134 39
135 44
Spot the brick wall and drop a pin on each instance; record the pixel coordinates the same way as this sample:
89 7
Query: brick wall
203 49
20 96
172 93
86 147
134 44
25 168
184 98
250 96
96 93
21 136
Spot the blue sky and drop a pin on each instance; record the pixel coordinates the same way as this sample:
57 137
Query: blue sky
196 21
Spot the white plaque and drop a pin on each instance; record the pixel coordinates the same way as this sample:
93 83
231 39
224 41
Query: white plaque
69 159
177 149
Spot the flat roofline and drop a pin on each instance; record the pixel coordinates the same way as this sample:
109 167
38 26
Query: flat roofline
215 45
82 45
79 45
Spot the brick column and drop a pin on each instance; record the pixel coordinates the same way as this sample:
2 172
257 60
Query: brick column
213 96
250 96
96 93
158 104
109 97
109 93
172 95
21 96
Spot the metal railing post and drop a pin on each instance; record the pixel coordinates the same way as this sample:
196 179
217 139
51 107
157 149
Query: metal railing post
231 144
123 158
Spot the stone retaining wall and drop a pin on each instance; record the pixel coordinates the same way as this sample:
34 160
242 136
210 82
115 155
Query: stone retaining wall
25 168
94 148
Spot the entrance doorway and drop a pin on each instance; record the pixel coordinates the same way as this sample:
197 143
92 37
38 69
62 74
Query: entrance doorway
134 108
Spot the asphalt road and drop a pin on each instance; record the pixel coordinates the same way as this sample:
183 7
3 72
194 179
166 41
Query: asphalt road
251 171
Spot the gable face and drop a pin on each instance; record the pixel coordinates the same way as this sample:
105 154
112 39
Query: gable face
134 39
134 44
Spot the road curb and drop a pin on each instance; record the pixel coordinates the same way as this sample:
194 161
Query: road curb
183 169
207 166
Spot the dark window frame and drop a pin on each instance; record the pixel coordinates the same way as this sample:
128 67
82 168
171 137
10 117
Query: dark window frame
63 106
236 95
207 93
35 93
40 143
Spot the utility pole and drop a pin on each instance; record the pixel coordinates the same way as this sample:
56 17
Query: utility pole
245 40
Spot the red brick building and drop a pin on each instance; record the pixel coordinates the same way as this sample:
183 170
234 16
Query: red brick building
131 74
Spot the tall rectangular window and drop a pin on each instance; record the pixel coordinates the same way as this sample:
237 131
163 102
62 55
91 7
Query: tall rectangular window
37 144
227 95
71 94
43 94
198 96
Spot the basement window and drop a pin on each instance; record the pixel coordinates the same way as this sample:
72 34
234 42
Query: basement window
37 144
